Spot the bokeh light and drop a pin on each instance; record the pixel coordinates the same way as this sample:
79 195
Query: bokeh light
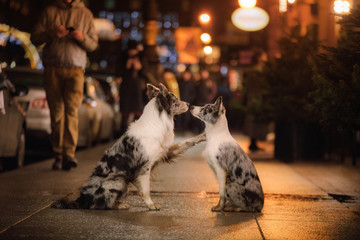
208 50
247 3
341 6
204 18
205 38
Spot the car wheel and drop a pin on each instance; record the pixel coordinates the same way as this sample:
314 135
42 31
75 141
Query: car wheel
20 154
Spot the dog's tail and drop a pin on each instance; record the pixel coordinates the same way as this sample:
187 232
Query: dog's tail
179 148
65 203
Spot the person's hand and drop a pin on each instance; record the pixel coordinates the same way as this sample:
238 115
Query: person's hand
129 63
60 31
78 35
137 64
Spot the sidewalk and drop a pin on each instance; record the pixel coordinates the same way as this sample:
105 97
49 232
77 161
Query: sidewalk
297 203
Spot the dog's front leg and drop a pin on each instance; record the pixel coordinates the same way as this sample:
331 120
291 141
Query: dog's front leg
143 185
179 148
221 176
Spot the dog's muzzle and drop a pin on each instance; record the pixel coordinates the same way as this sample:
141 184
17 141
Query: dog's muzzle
194 110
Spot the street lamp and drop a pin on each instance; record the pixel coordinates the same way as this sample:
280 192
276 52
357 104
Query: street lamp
204 18
247 3
252 19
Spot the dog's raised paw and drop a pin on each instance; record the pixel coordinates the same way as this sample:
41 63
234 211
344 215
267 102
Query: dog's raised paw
201 137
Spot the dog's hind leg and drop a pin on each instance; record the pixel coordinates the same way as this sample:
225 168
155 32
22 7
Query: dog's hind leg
119 205
143 185
242 199
176 149
230 207
113 189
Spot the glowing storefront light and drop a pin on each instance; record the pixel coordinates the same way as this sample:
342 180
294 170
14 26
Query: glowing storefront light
252 19
341 6
291 1
247 3
282 5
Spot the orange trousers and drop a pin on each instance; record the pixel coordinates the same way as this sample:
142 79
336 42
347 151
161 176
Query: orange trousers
64 92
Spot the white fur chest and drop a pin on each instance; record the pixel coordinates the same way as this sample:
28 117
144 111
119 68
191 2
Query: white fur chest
213 145
155 132
157 147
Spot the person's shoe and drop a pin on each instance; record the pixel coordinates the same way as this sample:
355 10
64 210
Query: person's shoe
68 163
255 149
57 165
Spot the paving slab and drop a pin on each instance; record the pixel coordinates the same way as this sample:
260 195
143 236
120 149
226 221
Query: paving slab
297 218
183 216
29 189
338 180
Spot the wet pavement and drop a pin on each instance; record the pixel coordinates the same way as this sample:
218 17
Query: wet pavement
303 200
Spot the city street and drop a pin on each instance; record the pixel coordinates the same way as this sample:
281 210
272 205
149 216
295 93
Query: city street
303 200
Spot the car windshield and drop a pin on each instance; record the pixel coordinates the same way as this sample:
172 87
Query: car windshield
25 77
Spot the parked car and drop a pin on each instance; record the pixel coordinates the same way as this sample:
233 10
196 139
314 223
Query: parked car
109 92
12 124
95 115
101 113
38 114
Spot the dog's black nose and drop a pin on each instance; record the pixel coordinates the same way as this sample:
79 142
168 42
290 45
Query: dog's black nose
191 107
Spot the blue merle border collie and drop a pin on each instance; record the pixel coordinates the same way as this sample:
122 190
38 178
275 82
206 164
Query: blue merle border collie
239 185
146 142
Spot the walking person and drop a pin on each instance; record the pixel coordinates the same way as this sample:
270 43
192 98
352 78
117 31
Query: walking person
255 125
205 93
209 84
187 94
66 27
132 84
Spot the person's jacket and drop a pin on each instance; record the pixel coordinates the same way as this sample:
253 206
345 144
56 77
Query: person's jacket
65 51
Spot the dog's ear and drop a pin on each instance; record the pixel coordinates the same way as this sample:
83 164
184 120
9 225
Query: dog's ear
152 91
163 89
218 102
219 105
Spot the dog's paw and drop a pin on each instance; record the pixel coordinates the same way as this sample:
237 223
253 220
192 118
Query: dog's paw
232 209
154 207
216 209
200 138
122 206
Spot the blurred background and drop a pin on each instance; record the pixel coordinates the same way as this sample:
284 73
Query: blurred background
288 71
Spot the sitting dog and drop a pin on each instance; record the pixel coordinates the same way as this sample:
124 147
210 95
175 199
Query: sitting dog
145 143
239 185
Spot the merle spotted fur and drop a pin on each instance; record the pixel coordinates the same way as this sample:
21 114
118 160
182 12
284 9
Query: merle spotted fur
239 184
132 157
